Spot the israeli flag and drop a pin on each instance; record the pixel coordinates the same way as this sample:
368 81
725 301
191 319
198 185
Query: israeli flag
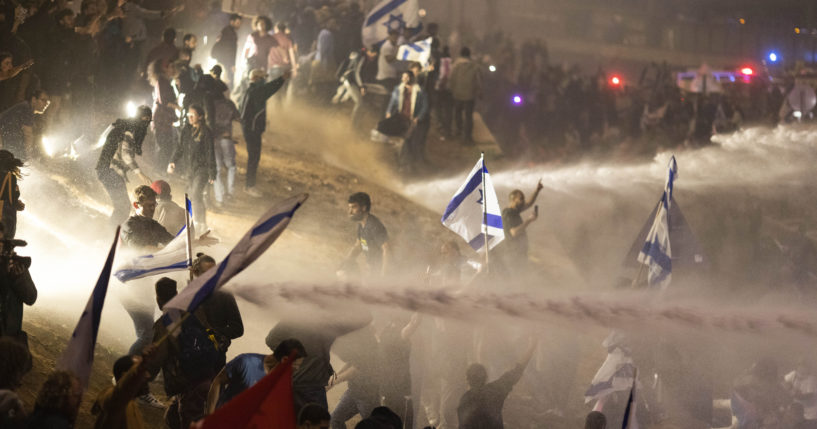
79 354
254 243
172 257
616 374
464 214
419 52
390 15
657 253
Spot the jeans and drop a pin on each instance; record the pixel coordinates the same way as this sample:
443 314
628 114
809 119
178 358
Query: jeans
253 139
143 326
349 405
464 111
187 407
303 395
115 186
413 151
225 159
165 144
196 188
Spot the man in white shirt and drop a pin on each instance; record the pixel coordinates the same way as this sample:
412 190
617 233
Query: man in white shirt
387 64
169 214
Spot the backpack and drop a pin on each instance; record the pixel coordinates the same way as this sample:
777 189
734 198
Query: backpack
225 112
199 353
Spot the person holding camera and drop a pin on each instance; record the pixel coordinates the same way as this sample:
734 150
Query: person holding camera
16 288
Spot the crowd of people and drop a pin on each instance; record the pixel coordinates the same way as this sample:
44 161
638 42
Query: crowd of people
61 70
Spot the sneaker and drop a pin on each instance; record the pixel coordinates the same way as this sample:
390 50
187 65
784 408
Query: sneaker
253 192
151 401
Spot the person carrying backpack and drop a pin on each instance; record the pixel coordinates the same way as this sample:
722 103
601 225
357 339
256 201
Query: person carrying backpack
188 362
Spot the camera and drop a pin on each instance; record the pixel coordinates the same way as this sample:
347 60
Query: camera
9 256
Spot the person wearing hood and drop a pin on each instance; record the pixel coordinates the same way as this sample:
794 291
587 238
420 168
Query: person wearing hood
123 143
253 112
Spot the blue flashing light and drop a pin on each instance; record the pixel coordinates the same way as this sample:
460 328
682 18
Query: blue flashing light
773 57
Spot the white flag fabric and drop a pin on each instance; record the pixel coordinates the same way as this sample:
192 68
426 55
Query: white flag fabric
79 354
657 251
254 243
172 257
419 51
389 15
616 373
464 214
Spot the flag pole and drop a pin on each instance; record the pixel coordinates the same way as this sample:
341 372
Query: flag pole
484 210
189 238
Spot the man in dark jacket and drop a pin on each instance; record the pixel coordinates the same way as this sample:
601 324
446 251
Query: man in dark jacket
123 142
195 156
226 47
253 113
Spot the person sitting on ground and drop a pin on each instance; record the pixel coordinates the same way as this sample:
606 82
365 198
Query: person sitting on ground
57 402
246 369
313 416
169 214
116 407
481 406
595 420
16 363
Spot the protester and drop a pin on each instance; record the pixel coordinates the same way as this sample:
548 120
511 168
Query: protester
188 363
246 369
411 102
282 56
372 238
17 122
253 110
225 113
258 44
387 71
445 101
395 356
465 83
481 406
116 406
516 237
165 108
166 51
57 402
196 160
123 143
313 416
351 84
16 289
317 334
220 309
358 352
169 214
225 49
10 202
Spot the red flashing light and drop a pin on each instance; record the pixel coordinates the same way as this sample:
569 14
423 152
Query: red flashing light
615 81
747 71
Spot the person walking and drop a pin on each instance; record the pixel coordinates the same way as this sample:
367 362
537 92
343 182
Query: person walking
195 158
